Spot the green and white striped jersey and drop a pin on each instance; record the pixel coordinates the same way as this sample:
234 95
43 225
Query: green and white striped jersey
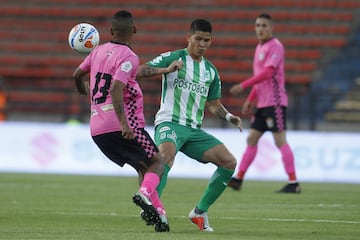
185 92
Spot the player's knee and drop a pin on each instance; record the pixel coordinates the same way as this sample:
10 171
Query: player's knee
168 159
232 163
228 161
252 140
168 153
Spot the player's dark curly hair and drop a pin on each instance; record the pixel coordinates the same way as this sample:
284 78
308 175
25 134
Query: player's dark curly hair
122 21
201 25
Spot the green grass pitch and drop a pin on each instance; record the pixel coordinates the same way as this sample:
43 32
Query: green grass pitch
39 206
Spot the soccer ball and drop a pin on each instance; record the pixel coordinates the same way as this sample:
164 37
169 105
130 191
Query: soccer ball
83 38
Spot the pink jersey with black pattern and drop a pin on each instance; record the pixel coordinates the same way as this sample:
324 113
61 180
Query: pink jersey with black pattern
270 92
107 63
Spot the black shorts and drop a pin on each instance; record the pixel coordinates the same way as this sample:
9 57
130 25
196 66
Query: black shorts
134 152
269 119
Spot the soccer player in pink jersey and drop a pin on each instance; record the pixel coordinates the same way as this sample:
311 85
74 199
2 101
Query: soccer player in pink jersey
117 119
269 94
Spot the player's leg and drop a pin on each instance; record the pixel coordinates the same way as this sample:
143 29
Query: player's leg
152 167
287 156
143 198
168 151
152 175
288 160
123 151
258 127
207 148
169 138
153 179
151 164
226 162
249 155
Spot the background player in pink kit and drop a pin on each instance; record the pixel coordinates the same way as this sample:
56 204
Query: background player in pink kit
268 91
117 119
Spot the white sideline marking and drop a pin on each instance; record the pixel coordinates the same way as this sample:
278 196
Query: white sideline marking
226 218
293 220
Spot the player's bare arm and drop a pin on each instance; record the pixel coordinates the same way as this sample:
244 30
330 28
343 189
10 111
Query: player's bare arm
236 89
81 85
116 92
145 70
216 108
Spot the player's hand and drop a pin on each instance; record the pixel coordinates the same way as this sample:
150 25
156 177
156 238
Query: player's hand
236 89
175 65
236 120
247 108
127 132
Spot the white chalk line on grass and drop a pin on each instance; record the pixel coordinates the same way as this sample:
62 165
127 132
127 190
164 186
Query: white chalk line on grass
226 218
292 220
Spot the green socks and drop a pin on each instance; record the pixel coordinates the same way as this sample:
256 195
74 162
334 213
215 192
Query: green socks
216 187
163 180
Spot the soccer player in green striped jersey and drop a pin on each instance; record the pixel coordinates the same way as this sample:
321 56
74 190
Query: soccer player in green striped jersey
189 84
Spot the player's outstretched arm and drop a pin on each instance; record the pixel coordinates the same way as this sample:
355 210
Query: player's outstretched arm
145 71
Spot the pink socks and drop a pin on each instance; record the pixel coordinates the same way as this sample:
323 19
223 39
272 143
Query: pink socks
148 188
157 203
288 161
287 157
149 184
247 159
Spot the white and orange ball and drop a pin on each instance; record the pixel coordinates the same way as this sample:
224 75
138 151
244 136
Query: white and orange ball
83 38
